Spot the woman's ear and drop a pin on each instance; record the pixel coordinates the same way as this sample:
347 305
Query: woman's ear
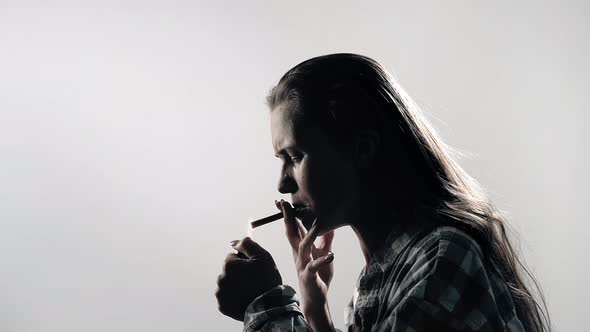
366 147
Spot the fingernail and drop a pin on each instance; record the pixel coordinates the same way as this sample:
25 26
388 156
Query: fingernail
329 257
233 243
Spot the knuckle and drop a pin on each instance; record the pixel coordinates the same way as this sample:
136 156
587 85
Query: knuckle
301 274
301 246
218 295
228 268
243 242
305 275
266 258
221 279
222 309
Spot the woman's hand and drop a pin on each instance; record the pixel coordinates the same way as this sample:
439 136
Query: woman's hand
246 275
314 267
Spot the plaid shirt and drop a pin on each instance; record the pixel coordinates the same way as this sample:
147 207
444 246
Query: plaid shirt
430 278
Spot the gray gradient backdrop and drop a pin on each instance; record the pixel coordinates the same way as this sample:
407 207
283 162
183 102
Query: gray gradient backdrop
135 144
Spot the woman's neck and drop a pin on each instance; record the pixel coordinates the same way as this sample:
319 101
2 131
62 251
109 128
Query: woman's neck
371 239
387 206
374 229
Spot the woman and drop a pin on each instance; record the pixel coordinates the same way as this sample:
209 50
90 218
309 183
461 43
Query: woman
356 151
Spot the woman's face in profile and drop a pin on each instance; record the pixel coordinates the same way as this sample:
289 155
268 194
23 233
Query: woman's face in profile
316 176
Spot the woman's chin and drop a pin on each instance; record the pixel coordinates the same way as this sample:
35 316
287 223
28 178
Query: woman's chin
307 217
307 222
323 226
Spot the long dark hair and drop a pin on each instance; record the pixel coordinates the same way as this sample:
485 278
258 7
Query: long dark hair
344 93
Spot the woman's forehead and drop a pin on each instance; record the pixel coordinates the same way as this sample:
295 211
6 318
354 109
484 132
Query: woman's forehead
289 130
282 128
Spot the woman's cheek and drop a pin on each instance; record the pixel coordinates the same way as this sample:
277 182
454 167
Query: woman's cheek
307 176
312 182
320 181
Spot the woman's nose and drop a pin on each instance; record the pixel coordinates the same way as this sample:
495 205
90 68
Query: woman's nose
286 184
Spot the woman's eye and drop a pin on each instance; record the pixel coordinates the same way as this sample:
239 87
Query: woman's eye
295 158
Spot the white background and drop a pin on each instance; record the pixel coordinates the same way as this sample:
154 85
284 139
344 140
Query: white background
135 143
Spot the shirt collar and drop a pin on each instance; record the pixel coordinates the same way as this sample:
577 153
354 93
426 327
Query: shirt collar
396 242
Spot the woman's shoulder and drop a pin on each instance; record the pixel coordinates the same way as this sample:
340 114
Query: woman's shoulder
446 277
449 265
452 240
443 252
446 241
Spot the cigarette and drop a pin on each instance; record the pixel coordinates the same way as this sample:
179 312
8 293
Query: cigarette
266 220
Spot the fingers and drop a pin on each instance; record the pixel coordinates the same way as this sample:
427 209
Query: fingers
325 242
302 241
232 256
307 242
292 227
316 264
251 249
316 252
239 254
302 234
324 245
305 246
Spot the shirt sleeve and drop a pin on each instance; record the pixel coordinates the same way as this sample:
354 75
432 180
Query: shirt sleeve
276 310
453 292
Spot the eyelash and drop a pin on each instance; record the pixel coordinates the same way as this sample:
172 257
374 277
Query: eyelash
295 159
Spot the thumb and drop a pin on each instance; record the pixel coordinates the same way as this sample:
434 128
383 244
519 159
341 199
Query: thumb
317 263
253 250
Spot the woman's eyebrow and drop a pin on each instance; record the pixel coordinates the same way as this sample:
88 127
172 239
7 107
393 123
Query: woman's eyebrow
283 151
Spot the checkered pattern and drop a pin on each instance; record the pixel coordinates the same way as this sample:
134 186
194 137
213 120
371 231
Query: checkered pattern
429 278
275 310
